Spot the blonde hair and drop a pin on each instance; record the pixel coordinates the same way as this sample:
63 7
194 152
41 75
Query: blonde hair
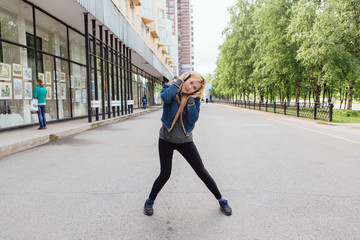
195 76
183 98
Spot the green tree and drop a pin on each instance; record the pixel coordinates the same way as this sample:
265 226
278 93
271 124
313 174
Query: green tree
234 65
306 30
280 47
274 58
344 34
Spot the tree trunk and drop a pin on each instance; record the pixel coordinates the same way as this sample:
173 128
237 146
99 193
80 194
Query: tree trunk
315 85
351 90
341 98
318 85
305 91
324 94
345 101
297 90
288 98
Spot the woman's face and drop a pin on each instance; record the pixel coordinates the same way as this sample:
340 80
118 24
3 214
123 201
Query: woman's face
190 86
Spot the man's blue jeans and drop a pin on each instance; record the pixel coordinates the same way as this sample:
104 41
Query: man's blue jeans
41 114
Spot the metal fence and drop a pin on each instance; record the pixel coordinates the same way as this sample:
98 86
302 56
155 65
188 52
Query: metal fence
308 110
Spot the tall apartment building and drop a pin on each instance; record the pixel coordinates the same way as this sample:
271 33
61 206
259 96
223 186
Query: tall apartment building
172 16
185 36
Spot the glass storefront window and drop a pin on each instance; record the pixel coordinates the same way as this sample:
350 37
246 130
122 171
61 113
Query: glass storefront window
30 42
15 21
63 91
16 86
157 90
77 47
78 90
52 33
135 90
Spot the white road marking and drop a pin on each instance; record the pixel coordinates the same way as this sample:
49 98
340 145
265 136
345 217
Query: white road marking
323 133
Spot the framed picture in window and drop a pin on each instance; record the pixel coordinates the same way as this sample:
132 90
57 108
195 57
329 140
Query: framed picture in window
48 77
77 95
63 91
27 73
48 95
28 90
5 71
5 91
62 77
18 88
77 82
17 70
83 85
72 80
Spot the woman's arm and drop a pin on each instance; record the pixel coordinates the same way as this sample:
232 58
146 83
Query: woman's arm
35 93
168 92
194 109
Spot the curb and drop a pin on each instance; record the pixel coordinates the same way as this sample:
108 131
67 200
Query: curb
20 146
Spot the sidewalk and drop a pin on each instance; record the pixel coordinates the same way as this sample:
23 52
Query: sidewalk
14 141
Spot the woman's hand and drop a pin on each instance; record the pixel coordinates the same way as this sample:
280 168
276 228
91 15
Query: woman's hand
197 94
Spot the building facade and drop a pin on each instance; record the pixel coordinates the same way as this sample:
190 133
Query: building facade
172 10
97 58
185 36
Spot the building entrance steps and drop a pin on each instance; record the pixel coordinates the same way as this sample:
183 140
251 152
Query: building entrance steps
17 140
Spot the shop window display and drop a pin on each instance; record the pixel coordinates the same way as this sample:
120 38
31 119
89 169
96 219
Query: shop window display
62 86
78 90
16 86
157 90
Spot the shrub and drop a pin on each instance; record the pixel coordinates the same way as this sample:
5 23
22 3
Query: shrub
347 113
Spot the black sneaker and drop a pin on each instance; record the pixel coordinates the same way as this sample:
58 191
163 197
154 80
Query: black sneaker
225 208
148 207
40 128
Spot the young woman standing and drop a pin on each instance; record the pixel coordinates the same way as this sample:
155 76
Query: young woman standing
180 112
40 93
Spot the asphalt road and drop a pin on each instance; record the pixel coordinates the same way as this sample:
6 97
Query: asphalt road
285 178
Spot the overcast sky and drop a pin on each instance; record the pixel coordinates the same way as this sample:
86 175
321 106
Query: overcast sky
210 19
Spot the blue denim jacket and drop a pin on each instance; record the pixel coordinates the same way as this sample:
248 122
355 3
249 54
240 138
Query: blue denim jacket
171 106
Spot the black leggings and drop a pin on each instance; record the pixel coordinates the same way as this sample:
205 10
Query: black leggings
189 152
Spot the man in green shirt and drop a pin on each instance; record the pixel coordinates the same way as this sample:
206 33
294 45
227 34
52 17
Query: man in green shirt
40 93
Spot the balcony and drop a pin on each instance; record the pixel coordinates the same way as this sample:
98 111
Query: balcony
163 50
147 16
137 3
161 43
153 31
168 59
